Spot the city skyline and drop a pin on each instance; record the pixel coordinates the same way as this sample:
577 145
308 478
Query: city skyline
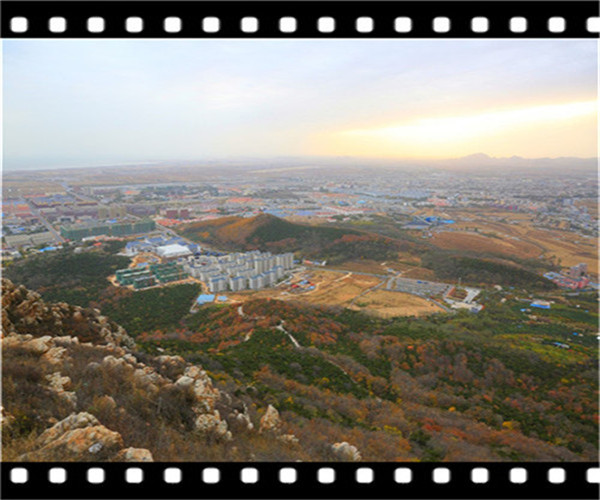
84 103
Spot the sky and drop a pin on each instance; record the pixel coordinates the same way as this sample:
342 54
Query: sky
93 102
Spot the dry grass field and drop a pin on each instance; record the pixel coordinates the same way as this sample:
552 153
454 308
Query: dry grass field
517 236
346 290
387 304
461 240
332 288
570 249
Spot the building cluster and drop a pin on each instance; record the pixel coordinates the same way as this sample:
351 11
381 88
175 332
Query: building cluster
166 248
150 275
67 208
177 213
239 271
126 228
575 278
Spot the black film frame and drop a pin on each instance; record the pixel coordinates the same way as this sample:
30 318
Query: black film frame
576 14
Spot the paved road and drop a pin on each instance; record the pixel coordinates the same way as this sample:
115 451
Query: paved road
44 221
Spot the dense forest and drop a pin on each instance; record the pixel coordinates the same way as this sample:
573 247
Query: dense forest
76 278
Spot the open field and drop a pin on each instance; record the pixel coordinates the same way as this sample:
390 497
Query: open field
461 240
516 236
332 288
569 248
419 273
387 304
345 289
364 266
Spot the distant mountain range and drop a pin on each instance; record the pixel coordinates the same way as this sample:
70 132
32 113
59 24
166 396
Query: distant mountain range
310 165
483 163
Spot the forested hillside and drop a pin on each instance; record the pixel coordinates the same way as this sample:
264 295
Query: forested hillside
268 233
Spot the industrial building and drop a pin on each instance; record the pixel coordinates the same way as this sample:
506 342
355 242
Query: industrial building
153 243
150 275
80 231
173 251
32 240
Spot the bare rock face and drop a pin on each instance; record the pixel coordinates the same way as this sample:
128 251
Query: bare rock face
73 421
212 424
346 452
55 355
171 366
90 439
270 421
24 311
39 345
58 383
205 394
78 445
81 437
133 455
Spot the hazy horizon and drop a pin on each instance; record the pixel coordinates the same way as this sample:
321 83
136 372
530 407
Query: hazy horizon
88 103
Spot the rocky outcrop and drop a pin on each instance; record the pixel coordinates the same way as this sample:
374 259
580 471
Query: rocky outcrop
55 355
77 437
346 452
212 424
23 310
270 421
58 384
271 424
205 394
134 455
76 359
81 437
73 421
241 419
171 366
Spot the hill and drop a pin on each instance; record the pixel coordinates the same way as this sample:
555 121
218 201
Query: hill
269 233
77 388
279 381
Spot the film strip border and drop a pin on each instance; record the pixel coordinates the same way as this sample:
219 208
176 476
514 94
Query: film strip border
300 19
300 480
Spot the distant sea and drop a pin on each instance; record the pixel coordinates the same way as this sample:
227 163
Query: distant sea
38 166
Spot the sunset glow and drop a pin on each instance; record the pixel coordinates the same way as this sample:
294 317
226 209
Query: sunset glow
450 135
